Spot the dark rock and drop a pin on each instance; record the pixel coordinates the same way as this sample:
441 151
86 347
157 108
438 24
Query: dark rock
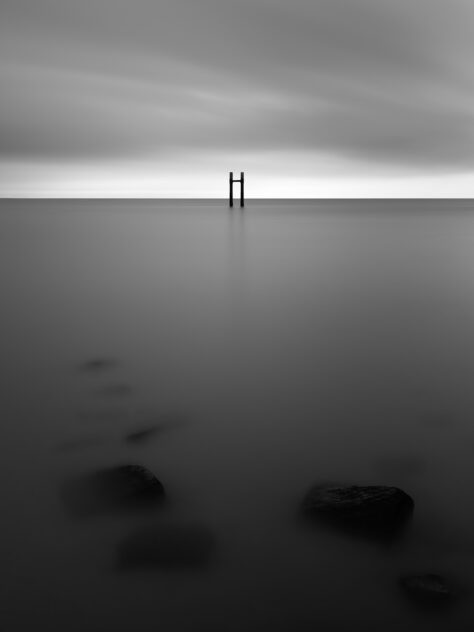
166 547
98 365
140 436
428 588
122 488
160 426
372 509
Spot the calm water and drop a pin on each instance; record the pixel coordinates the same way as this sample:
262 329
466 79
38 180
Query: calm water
297 342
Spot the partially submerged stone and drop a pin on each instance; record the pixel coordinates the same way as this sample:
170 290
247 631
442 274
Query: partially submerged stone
166 547
155 428
121 488
370 509
143 435
98 365
427 588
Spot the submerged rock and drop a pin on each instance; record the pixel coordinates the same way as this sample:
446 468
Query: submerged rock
427 588
166 547
98 365
124 487
370 509
160 426
143 435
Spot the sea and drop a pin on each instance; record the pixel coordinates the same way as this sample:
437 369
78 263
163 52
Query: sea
242 356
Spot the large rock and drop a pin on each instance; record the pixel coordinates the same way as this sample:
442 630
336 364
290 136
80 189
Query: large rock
166 547
371 509
121 488
427 589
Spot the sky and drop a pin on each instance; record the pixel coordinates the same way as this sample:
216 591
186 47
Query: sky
162 98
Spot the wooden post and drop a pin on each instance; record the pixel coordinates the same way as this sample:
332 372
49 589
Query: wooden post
231 189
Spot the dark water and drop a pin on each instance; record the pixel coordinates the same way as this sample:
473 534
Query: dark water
241 357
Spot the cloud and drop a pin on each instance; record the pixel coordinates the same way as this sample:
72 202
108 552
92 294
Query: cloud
371 81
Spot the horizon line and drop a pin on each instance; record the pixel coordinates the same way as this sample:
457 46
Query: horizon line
226 200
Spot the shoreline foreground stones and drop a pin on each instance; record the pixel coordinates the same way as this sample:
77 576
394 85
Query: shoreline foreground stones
166 547
427 589
120 488
372 510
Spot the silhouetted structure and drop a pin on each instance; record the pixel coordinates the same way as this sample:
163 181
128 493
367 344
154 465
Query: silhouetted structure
231 188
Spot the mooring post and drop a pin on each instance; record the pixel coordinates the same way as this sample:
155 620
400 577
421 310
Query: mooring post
231 188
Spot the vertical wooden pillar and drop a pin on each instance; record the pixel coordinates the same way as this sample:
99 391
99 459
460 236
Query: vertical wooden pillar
231 189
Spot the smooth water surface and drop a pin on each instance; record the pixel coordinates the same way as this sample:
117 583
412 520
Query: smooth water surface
290 343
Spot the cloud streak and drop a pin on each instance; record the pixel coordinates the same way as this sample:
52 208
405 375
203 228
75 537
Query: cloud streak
367 81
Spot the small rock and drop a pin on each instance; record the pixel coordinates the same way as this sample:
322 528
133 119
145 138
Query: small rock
372 509
162 425
166 547
427 588
139 436
124 487
98 365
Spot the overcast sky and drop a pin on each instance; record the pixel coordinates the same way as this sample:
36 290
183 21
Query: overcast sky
308 97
